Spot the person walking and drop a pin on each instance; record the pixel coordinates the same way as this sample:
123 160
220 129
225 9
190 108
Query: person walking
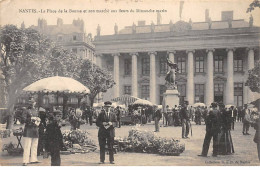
198 115
185 120
157 117
246 120
106 122
213 125
31 135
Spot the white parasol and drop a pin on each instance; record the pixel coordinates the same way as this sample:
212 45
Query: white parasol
143 102
229 106
199 104
57 84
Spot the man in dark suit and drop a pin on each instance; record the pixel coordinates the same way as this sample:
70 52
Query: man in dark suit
213 126
106 122
157 117
185 120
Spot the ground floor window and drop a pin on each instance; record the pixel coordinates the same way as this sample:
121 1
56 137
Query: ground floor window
127 90
199 93
182 90
145 92
162 90
238 94
218 92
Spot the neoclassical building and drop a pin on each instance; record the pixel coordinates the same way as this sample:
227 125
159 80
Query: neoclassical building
213 58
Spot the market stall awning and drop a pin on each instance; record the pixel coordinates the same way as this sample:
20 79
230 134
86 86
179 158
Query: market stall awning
143 102
127 99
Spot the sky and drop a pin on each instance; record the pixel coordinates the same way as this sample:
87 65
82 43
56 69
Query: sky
11 12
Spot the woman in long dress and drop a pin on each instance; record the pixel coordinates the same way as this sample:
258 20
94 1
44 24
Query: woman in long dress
225 140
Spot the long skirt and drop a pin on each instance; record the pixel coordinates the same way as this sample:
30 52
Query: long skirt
225 143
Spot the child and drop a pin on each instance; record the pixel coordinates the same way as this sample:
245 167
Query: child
53 138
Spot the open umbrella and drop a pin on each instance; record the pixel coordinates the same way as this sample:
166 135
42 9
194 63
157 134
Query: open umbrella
142 102
199 104
57 84
229 106
127 99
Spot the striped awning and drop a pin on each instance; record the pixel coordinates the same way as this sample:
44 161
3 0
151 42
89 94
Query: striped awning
127 99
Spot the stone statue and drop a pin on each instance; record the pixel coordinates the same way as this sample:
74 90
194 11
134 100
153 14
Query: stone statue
251 21
152 27
116 29
171 26
98 30
170 77
134 28
210 23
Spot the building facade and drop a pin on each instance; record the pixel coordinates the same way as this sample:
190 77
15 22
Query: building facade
213 58
70 36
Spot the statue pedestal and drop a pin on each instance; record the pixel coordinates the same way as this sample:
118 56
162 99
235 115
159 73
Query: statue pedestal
171 98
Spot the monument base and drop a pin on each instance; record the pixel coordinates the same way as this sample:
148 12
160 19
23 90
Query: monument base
171 98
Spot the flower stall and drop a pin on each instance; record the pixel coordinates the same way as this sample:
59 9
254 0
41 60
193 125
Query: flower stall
147 142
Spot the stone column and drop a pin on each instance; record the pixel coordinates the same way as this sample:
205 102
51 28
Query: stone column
250 65
190 77
230 77
209 83
99 60
116 75
152 77
134 75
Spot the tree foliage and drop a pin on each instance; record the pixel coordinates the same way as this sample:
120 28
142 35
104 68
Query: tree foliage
253 5
253 80
96 79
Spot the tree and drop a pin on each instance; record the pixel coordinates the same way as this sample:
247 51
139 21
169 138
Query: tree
253 80
96 79
253 5
22 62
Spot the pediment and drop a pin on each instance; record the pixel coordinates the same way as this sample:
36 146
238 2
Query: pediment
181 79
144 79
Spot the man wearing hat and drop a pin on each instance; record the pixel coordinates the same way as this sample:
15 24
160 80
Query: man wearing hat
185 120
106 122
246 120
157 117
213 125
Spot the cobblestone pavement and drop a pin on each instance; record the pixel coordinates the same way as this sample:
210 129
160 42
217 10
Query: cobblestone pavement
245 150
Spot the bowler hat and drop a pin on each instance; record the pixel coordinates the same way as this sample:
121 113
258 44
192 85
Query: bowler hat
108 103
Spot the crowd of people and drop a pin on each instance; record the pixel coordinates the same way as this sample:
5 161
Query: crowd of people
218 118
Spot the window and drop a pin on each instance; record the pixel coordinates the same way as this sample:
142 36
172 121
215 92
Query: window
218 92
163 65
162 90
60 100
199 93
74 37
45 100
218 64
128 65
238 64
127 90
73 100
181 61
74 50
238 94
182 90
145 92
199 64
146 66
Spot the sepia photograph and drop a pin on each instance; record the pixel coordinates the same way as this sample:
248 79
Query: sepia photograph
129 83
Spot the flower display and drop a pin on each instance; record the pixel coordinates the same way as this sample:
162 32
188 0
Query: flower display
147 142
78 141
35 121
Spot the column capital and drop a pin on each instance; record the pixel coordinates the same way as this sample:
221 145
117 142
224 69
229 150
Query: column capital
210 49
191 50
152 52
230 49
171 51
251 48
115 54
134 54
